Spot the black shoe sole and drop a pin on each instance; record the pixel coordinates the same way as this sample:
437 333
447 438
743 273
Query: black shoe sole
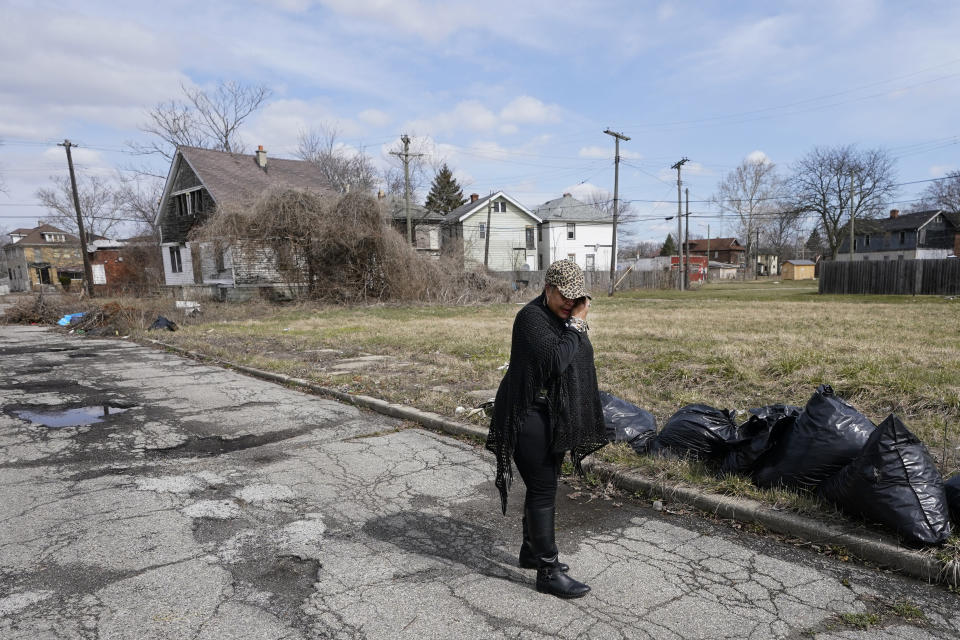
565 596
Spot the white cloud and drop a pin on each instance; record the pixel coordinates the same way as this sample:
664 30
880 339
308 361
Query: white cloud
587 191
279 125
757 157
526 109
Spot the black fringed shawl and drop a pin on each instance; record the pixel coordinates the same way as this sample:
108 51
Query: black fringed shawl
573 398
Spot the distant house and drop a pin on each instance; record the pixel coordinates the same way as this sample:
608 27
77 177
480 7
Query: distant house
722 271
426 226
44 257
726 250
768 264
575 230
496 226
922 235
798 270
201 180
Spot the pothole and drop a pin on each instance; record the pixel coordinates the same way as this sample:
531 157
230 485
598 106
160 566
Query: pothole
77 417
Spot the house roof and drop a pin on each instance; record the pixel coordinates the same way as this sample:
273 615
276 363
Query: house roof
809 263
35 236
903 222
569 209
394 205
467 209
716 244
236 178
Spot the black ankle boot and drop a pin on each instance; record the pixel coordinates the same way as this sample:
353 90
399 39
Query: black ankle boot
529 561
550 579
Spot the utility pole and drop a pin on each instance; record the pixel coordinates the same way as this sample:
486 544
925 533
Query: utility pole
486 233
707 277
87 269
405 156
851 217
677 166
686 243
616 201
756 258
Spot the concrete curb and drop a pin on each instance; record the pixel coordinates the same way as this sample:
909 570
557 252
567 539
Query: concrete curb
875 549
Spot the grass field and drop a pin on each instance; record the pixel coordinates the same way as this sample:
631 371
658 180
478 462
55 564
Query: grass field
735 346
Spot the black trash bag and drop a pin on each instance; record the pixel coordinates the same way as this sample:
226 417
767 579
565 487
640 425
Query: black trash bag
827 435
894 481
952 487
697 431
753 437
162 323
628 423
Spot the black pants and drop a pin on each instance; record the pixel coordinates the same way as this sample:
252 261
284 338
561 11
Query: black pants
538 466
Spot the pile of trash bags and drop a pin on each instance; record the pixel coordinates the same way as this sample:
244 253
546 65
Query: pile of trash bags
880 473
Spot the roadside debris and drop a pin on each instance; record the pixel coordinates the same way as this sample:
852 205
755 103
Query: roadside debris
628 423
894 481
883 474
162 323
69 319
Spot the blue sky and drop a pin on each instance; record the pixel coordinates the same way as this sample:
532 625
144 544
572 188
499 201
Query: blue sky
514 95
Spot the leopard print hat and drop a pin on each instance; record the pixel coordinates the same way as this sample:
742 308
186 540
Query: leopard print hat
567 276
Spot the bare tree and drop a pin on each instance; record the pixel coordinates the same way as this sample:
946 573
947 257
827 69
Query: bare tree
752 192
345 170
98 204
210 119
138 199
782 231
941 194
839 182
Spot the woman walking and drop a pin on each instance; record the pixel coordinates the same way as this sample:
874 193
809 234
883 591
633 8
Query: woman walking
548 403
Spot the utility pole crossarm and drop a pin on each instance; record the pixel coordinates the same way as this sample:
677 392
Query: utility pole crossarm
616 202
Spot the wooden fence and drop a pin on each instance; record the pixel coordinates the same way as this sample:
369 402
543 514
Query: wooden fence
598 281
892 277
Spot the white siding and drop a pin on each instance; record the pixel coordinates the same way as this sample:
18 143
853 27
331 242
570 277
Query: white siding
589 238
508 250
185 276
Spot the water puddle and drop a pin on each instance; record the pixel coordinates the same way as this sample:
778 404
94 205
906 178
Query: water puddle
71 417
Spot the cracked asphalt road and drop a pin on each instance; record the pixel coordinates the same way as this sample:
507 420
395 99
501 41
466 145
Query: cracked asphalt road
221 506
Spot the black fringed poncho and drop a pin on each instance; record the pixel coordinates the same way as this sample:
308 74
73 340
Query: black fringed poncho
540 360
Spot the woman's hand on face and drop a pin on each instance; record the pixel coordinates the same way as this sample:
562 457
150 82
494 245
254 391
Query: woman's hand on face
580 308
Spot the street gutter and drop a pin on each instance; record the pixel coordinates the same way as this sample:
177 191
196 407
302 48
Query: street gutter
872 548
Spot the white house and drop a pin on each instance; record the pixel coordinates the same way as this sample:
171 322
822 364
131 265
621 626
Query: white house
576 230
495 230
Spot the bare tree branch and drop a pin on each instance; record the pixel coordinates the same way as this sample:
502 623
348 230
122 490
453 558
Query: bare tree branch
209 119
345 170
822 181
942 194
98 204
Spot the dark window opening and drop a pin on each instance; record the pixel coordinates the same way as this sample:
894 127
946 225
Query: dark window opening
571 231
903 237
176 263
500 206
530 242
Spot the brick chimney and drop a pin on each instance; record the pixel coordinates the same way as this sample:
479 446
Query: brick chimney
474 197
894 213
261 157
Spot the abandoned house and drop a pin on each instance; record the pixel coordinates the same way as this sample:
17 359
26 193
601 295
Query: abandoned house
44 257
199 181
